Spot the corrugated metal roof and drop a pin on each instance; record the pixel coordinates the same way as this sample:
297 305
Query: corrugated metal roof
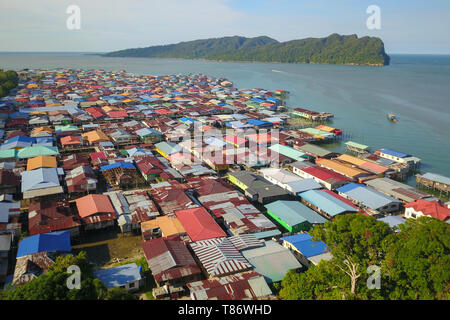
272 261
306 245
41 178
394 153
326 202
437 178
294 212
392 221
242 286
369 197
219 256
288 152
199 224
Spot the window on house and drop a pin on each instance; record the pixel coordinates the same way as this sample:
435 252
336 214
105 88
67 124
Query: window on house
131 285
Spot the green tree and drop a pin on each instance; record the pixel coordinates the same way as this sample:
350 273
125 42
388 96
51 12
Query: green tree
52 285
418 261
120 294
355 241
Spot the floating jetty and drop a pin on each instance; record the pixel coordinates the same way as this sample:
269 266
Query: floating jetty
312 115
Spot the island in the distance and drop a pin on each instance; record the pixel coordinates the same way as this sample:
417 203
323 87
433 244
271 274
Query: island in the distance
334 49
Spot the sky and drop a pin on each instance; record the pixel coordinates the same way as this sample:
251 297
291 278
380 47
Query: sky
414 26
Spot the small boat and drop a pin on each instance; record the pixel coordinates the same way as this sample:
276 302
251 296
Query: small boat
392 117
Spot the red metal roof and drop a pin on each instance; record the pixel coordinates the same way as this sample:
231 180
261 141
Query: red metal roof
169 258
199 224
232 287
118 114
324 174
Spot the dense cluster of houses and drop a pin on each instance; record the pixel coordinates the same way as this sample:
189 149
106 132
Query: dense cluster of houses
222 189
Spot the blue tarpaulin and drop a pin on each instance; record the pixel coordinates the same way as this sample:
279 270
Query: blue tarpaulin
50 242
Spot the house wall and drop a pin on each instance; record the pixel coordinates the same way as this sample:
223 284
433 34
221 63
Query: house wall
237 182
132 286
390 157
411 213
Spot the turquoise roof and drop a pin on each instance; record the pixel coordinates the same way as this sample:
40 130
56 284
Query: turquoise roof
288 152
10 153
168 147
326 202
294 212
36 151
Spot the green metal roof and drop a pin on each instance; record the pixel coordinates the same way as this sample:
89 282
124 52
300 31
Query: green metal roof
317 132
272 261
168 147
10 153
356 145
315 150
66 128
294 212
36 151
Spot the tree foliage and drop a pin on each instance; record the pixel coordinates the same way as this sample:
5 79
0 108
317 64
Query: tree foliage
414 262
52 285
334 49
8 81
418 261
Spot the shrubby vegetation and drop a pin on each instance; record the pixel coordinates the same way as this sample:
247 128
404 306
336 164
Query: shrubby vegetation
415 262
334 49
8 81
52 285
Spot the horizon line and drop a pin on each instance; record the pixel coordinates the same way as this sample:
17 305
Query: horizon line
102 52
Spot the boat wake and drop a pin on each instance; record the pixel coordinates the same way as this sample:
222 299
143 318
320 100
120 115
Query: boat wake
278 71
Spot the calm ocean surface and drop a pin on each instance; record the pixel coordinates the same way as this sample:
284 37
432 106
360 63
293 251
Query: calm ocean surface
414 87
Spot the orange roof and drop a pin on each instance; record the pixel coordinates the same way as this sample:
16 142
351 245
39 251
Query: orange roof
206 128
95 136
363 163
42 129
351 159
260 138
93 204
41 162
340 168
325 128
70 140
169 226
109 108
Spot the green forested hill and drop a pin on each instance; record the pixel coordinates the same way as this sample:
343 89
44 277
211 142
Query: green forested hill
8 81
334 49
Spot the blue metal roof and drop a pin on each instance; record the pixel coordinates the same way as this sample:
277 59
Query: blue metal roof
392 221
124 165
119 276
394 153
256 122
306 245
436 177
304 185
51 242
326 202
187 120
39 179
369 197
